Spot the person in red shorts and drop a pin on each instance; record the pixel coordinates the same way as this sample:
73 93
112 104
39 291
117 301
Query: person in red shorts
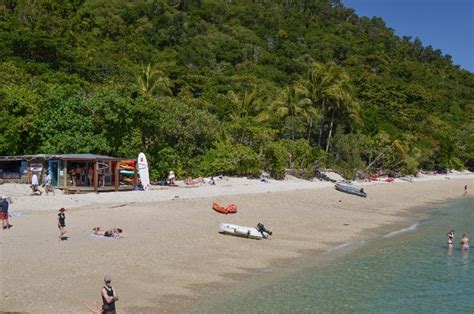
4 213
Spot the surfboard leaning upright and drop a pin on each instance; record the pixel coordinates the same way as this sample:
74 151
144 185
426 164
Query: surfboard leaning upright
143 171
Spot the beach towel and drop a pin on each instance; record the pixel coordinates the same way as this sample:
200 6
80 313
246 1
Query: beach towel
104 237
16 214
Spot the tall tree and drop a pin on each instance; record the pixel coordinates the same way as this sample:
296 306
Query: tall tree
341 102
289 105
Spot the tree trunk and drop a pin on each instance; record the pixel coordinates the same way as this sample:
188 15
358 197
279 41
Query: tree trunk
330 131
292 128
310 128
320 136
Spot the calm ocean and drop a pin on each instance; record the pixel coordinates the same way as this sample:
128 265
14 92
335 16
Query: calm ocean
411 271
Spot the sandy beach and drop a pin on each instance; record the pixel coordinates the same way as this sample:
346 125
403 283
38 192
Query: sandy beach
171 255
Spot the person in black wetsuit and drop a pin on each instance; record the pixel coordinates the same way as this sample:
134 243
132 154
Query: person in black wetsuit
109 296
61 223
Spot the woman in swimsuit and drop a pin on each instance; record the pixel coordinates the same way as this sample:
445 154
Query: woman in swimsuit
450 238
465 242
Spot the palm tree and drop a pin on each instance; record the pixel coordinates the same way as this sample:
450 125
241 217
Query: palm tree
316 89
154 82
342 102
310 114
247 104
328 89
289 105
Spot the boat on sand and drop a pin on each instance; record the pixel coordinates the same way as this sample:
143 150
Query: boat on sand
348 188
242 231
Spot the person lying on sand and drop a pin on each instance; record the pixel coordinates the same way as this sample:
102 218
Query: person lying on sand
189 181
112 233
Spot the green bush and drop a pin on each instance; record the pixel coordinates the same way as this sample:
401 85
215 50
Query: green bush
230 160
165 160
303 156
276 159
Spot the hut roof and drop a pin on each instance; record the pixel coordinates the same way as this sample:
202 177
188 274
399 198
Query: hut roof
59 156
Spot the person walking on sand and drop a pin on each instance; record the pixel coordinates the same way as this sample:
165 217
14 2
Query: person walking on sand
49 184
109 296
4 213
465 189
61 223
465 242
35 184
450 238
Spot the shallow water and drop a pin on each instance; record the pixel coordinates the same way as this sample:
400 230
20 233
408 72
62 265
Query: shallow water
410 271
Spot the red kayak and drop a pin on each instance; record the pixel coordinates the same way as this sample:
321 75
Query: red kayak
231 209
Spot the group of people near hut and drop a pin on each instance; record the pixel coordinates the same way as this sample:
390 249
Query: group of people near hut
84 175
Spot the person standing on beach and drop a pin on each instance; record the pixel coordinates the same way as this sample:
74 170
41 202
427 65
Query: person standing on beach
49 184
465 189
35 184
4 213
61 223
109 296
90 175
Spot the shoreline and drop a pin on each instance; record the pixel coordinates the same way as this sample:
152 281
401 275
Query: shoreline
171 253
278 270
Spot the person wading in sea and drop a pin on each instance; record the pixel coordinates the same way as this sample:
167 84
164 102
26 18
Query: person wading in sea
450 238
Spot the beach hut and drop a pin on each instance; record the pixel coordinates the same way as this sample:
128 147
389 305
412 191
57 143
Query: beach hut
73 172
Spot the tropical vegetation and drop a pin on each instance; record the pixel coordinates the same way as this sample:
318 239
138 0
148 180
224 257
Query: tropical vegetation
208 87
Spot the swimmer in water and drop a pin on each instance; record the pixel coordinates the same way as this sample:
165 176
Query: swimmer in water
450 238
465 242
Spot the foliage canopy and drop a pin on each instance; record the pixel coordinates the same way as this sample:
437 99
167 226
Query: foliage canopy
223 86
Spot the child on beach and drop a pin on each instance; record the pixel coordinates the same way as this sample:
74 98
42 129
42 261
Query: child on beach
61 223
465 189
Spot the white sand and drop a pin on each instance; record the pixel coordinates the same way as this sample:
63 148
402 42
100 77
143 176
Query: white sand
171 246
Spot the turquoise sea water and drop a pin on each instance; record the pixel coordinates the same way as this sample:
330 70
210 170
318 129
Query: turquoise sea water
411 271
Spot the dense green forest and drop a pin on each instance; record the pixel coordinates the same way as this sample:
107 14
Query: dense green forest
229 87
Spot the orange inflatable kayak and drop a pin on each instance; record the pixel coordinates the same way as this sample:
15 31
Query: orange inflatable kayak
231 209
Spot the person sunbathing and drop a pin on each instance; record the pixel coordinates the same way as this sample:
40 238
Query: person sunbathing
189 181
111 233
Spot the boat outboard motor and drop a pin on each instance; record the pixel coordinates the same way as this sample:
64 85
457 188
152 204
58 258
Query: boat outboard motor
261 228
